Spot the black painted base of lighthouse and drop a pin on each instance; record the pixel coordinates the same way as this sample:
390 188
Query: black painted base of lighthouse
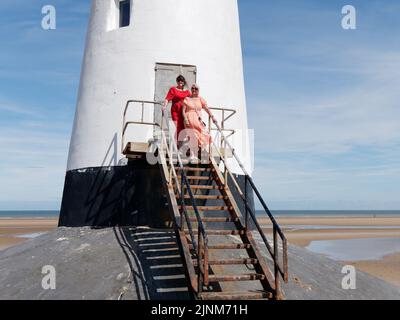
132 195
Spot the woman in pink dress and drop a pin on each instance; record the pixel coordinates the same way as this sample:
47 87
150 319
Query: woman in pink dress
192 108
176 95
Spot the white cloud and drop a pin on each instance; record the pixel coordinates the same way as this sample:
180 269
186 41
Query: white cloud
327 123
33 157
365 114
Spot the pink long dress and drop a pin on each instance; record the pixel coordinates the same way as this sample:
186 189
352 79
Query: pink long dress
193 110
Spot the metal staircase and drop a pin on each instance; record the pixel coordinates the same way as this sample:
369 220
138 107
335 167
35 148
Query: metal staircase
226 253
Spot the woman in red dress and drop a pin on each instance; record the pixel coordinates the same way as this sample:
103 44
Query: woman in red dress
177 95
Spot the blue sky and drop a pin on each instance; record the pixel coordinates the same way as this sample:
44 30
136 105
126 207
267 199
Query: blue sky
324 102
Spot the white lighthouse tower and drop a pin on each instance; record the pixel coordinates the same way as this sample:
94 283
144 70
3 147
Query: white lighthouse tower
135 49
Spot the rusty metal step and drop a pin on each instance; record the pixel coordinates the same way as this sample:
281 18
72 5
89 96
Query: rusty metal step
201 187
215 219
202 178
194 169
204 197
220 232
226 246
210 208
229 261
236 277
247 295
175 160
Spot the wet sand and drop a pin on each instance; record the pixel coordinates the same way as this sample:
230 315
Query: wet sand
331 228
302 230
387 268
12 231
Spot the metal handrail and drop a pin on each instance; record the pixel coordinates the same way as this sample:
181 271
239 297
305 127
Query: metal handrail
125 123
223 111
201 245
278 269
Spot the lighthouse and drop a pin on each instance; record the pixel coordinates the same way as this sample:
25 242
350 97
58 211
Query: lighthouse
134 50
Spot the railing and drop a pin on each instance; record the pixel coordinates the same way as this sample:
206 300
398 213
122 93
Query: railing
125 123
201 245
226 114
279 269
168 148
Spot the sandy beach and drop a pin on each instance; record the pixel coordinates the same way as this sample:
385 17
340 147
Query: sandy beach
339 228
300 231
387 268
14 231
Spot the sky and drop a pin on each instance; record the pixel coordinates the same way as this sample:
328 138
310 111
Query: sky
323 101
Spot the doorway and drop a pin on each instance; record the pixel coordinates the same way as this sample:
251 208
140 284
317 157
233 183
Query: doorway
166 75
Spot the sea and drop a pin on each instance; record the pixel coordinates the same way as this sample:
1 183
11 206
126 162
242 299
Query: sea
260 213
333 213
29 213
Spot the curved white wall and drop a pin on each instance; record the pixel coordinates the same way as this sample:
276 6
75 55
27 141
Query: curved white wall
119 65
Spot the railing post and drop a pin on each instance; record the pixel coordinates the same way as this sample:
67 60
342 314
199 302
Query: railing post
222 140
171 153
123 131
226 165
210 131
245 199
206 263
199 258
276 261
182 206
162 120
285 261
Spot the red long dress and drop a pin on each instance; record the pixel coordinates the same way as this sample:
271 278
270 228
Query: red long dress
177 96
